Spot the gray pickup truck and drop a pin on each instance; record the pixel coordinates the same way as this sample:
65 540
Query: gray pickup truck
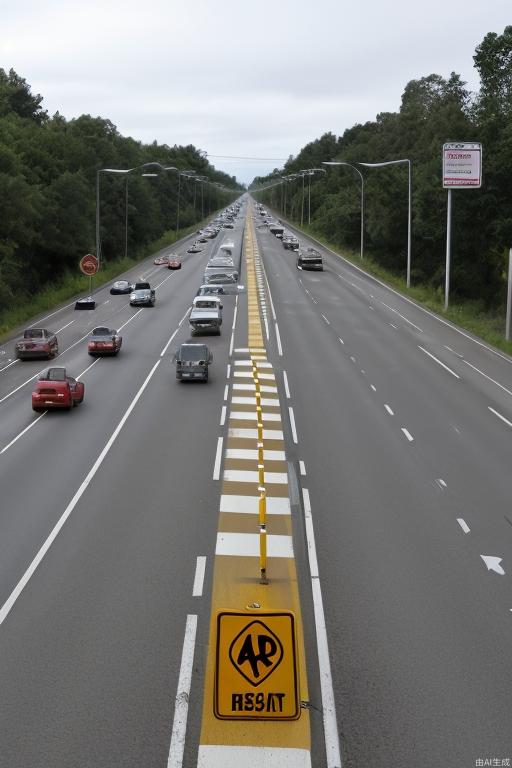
206 315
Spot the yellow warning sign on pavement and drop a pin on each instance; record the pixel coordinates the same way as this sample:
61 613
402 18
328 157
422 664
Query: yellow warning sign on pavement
256 666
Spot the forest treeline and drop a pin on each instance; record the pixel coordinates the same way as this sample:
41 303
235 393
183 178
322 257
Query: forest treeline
48 173
433 110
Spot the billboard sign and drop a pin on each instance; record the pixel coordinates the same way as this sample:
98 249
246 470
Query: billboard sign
462 165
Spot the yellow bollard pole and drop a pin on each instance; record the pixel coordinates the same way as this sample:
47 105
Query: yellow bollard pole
263 536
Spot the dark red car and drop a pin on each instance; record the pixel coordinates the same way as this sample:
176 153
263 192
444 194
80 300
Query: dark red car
174 263
54 389
37 342
104 341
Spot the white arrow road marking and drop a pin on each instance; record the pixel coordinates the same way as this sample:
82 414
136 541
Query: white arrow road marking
493 564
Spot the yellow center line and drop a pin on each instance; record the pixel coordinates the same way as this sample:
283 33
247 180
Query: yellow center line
236 577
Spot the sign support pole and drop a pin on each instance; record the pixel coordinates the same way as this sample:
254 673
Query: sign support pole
509 296
448 250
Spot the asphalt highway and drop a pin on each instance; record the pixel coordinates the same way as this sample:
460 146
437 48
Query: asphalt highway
403 425
91 646
397 429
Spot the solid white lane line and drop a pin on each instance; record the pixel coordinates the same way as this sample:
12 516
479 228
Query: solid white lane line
226 390
326 320
248 545
218 459
509 423
292 425
234 318
373 388
223 416
302 468
388 409
197 590
13 362
65 326
267 332
332 745
286 387
439 362
231 343
407 434
38 322
184 316
441 483
486 377
341 340
125 323
402 316
164 350
88 368
276 505
278 337
4 611
15 440
228 372
465 527
179 726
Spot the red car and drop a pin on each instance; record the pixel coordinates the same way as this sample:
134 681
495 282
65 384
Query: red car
104 341
54 389
174 264
37 342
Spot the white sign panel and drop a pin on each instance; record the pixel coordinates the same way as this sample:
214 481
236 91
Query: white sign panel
462 165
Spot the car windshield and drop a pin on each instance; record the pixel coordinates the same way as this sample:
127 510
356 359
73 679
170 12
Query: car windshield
193 352
102 332
33 333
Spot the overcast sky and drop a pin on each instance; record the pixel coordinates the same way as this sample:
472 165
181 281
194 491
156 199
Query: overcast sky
241 79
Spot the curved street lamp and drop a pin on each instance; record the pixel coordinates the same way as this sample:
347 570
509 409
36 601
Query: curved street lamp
309 172
126 172
409 216
349 165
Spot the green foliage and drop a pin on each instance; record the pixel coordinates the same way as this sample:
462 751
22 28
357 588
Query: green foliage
48 175
434 110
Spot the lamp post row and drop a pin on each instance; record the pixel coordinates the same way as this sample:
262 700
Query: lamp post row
189 174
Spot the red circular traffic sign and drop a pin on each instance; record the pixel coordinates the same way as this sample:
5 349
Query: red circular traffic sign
89 264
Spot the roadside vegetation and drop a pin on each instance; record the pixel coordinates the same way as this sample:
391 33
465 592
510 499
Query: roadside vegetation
48 178
434 110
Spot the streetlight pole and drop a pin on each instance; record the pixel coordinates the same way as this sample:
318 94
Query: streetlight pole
349 165
409 215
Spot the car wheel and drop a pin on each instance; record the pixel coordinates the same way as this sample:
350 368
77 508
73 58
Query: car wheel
36 409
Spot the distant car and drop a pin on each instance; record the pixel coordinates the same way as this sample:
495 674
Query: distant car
194 248
290 242
86 303
121 286
55 389
228 225
210 290
174 264
37 342
142 297
192 361
310 259
161 260
221 278
104 341
221 261
203 238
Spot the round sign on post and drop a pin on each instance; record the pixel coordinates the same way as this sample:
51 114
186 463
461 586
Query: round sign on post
89 265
